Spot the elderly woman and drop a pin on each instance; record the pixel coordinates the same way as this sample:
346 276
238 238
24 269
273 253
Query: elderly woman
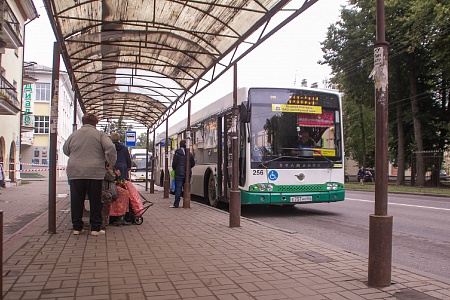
123 163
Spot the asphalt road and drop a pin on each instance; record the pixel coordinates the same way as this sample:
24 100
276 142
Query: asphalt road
421 230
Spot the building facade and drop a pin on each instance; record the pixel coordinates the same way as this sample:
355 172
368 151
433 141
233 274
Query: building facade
35 152
14 15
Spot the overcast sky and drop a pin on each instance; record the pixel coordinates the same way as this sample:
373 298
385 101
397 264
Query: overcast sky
286 58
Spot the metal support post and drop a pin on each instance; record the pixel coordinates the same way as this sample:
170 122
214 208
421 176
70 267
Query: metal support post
166 163
75 108
235 195
146 161
1 254
187 180
53 141
152 175
380 225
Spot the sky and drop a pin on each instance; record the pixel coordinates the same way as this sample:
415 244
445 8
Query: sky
286 58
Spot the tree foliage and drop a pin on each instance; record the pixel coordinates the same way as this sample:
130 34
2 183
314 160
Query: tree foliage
419 40
121 128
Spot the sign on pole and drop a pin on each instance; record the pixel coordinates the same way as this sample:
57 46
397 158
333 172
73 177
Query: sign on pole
130 138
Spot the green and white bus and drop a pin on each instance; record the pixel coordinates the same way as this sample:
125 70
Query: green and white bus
274 169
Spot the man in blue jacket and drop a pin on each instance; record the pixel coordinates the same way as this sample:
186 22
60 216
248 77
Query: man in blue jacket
179 165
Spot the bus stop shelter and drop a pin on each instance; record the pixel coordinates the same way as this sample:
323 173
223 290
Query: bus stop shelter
143 60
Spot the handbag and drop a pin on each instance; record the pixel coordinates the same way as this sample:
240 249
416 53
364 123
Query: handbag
113 190
109 185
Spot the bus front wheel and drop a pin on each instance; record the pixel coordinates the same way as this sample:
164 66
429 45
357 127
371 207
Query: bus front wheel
211 195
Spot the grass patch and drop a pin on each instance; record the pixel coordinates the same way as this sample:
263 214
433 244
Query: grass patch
392 187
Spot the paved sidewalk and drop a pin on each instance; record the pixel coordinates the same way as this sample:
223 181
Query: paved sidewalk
191 254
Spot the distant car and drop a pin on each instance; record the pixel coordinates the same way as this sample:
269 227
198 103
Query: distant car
443 175
370 175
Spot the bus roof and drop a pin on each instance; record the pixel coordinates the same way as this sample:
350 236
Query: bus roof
217 107
225 103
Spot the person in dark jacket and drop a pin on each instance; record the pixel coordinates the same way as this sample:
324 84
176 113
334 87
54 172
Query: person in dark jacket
179 166
123 163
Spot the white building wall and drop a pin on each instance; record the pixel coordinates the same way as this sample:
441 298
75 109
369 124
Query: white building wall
11 65
41 141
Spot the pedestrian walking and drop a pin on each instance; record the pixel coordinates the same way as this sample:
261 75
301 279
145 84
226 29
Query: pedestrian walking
87 149
179 166
123 163
361 174
2 177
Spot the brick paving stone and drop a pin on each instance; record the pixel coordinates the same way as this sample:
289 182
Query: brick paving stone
200 258
334 296
32 295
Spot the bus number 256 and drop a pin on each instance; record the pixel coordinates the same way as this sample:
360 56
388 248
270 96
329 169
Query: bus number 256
258 172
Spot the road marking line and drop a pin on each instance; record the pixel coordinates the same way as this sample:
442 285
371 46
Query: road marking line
401 204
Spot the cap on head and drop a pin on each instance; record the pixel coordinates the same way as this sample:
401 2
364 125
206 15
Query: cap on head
115 137
90 119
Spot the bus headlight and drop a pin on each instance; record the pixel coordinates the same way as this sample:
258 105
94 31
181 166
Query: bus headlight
262 187
335 186
269 187
329 186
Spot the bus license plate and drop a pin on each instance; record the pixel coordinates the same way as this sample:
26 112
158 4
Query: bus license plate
301 199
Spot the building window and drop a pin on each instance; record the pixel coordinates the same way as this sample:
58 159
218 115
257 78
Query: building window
41 124
40 156
43 92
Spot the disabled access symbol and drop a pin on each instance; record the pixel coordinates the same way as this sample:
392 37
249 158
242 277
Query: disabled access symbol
273 175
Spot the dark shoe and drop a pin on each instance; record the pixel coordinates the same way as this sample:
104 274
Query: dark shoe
121 221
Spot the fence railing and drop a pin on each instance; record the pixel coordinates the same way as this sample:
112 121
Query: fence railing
8 91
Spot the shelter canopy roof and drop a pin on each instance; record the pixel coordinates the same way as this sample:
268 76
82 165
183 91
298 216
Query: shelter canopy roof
143 59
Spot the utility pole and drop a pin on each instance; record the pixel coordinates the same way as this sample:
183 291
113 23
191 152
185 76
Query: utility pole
380 225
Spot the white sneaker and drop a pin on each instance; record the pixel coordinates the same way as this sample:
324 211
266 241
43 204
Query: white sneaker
78 232
100 232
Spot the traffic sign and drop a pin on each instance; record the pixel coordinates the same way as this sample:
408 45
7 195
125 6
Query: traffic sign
130 138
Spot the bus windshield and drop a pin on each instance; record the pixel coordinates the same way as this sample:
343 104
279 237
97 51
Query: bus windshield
138 162
294 125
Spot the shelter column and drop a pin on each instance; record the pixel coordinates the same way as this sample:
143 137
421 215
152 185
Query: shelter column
75 106
166 163
235 195
187 180
146 161
152 174
53 141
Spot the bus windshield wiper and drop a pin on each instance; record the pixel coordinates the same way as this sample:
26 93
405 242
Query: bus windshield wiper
278 158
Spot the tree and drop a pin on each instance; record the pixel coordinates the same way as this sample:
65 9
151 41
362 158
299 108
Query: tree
418 54
141 142
121 128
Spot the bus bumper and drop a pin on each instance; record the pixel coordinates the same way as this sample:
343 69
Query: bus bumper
291 198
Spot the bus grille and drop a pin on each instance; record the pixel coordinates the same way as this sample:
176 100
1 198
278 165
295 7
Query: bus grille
301 188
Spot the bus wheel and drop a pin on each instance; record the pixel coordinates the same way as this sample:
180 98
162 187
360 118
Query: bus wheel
211 191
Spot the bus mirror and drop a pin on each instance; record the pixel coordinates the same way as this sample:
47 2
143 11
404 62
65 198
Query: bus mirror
244 112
